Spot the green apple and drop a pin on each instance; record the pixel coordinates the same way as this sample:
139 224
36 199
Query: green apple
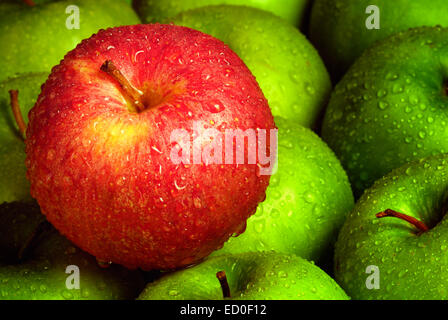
39 270
293 11
36 38
287 67
390 108
338 28
306 202
410 263
250 276
36 2
14 185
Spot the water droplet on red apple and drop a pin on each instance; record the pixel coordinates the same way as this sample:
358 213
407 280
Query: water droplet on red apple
240 230
214 106
135 58
197 203
50 154
103 264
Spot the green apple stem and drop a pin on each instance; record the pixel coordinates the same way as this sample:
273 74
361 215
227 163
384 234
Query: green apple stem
131 93
420 225
221 275
14 95
29 2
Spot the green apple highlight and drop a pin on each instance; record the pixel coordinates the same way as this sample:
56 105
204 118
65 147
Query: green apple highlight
390 108
306 202
250 276
288 69
36 38
338 28
14 185
412 264
293 11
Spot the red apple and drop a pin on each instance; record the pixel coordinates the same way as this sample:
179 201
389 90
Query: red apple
100 145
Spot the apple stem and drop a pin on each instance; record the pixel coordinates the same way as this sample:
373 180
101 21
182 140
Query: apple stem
130 91
29 2
221 275
420 225
14 95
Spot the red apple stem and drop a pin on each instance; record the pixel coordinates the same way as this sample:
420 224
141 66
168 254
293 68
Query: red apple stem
130 91
29 2
14 95
420 225
221 275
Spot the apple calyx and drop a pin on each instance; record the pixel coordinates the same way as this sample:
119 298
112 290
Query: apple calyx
29 3
14 95
221 275
131 93
420 225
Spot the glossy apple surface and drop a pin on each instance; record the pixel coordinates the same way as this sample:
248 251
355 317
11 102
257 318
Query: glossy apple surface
105 175
287 67
14 185
250 276
34 39
411 264
390 108
338 28
151 11
306 203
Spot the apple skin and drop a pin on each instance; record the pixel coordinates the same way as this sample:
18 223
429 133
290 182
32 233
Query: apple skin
39 2
306 202
389 108
40 274
103 175
287 67
337 28
14 185
251 276
34 39
411 266
150 11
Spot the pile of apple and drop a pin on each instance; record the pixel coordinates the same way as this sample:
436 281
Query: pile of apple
113 187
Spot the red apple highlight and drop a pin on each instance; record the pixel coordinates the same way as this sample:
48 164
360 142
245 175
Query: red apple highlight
100 141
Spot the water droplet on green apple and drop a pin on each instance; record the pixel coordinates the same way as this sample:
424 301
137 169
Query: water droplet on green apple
67 295
391 76
173 293
381 93
294 76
